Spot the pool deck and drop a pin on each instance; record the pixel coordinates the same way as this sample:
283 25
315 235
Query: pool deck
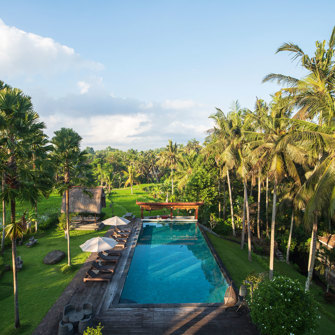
143 319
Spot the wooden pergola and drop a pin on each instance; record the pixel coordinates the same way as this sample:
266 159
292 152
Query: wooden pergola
171 205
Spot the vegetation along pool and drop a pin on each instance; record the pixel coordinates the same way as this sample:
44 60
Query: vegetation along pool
172 263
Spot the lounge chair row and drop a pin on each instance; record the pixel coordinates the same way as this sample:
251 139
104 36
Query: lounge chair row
104 266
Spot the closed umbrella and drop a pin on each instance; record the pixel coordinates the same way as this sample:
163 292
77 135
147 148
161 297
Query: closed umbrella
115 221
97 244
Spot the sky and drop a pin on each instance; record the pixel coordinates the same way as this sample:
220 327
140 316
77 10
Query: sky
134 74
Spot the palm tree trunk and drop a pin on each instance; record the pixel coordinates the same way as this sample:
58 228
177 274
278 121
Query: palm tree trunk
131 188
219 194
34 168
231 204
3 217
16 300
67 205
273 226
267 206
312 251
248 219
259 207
290 239
224 201
36 222
172 182
243 225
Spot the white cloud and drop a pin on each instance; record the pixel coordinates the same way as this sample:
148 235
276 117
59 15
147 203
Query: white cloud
121 123
27 54
179 104
100 131
83 86
194 129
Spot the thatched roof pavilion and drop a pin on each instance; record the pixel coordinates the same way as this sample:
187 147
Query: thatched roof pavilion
85 200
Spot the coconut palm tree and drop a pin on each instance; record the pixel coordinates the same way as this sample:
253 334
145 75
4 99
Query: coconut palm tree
313 94
224 140
69 162
317 196
184 168
132 177
169 158
277 148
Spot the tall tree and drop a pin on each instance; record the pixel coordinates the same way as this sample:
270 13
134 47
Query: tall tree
169 158
18 122
69 161
131 177
277 148
313 94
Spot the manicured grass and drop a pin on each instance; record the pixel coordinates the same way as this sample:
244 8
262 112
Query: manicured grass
124 202
238 267
40 285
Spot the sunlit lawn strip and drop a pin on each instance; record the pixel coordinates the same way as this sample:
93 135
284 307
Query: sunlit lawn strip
238 266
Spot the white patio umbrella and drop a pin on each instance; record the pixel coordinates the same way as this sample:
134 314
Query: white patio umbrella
97 244
115 221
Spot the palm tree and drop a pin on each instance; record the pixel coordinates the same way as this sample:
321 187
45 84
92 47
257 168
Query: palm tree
278 149
69 162
18 122
317 196
132 177
184 168
41 167
313 94
224 140
169 158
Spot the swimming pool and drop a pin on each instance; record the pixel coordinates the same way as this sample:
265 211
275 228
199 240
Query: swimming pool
172 263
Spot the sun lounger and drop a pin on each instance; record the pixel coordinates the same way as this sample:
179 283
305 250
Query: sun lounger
111 252
121 234
123 230
112 261
107 258
118 239
103 267
92 276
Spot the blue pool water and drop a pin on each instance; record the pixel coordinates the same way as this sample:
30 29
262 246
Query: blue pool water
172 263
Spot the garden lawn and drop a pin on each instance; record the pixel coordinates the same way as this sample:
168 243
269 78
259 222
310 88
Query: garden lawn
238 267
122 201
40 285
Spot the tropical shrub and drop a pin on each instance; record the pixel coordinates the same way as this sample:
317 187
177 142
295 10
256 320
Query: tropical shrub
94 331
223 227
252 282
281 307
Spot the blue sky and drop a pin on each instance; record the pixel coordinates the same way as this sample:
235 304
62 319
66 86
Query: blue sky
137 73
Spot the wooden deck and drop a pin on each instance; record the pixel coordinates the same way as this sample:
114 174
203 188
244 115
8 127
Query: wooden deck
177 320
